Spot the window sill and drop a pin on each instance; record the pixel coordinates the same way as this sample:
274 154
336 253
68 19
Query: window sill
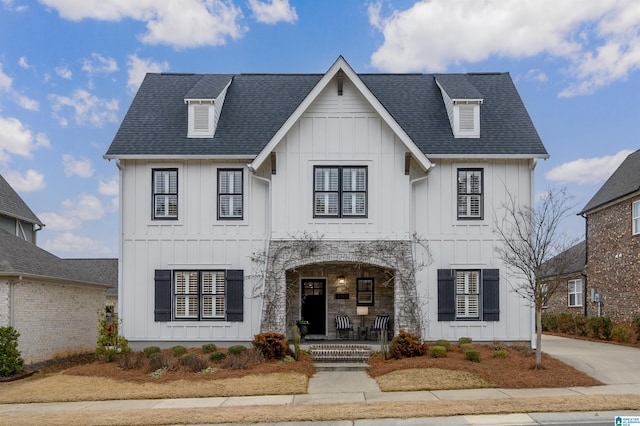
467 323
191 323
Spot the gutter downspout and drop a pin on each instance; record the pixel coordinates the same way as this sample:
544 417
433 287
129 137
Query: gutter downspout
118 314
268 234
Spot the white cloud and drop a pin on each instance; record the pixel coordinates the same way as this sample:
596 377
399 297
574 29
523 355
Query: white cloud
110 187
23 62
16 139
98 64
28 182
68 243
64 72
55 222
87 109
5 81
598 39
139 67
587 170
85 207
81 167
184 23
274 11
8 4
22 100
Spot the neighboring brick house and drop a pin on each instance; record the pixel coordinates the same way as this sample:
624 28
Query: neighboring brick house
613 243
571 294
53 303
250 201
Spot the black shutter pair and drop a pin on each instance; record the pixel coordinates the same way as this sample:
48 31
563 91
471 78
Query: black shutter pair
447 295
234 295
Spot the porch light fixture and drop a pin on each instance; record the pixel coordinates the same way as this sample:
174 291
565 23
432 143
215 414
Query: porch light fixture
341 280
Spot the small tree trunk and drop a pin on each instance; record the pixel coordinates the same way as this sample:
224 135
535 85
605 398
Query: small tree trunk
538 337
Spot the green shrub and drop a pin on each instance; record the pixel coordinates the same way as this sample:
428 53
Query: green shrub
406 345
500 353
178 350
10 360
236 350
110 344
600 327
209 347
472 355
193 362
550 322
621 333
463 340
438 352
161 361
636 327
217 356
149 350
444 343
272 345
243 359
465 347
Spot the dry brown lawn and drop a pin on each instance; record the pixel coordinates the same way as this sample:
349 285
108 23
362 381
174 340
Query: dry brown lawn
104 381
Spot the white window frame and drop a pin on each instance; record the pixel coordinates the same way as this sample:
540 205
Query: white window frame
333 197
232 195
467 300
203 110
577 293
635 217
199 295
161 197
467 194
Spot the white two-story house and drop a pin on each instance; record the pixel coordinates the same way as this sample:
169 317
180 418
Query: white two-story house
250 201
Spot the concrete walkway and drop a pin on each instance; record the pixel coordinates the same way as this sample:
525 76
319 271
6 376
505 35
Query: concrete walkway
618 366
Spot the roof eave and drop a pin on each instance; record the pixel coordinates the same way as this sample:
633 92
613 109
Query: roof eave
243 157
490 156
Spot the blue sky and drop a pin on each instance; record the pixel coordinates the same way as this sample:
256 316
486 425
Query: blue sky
69 70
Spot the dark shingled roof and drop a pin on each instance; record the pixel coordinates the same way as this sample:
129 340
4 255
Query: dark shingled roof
209 86
457 86
19 257
101 270
257 105
12 205
577 255
624 181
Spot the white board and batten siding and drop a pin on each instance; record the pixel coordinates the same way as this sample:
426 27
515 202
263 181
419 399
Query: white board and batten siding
341 131
196 241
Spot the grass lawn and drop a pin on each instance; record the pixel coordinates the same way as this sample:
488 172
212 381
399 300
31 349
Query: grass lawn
105 381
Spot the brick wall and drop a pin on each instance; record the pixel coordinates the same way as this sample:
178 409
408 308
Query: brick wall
613 262
559 301
56 320
4 303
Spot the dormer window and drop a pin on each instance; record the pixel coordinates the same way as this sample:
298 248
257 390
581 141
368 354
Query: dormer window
466 119
201 118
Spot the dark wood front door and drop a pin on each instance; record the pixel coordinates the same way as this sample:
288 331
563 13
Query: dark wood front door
314 305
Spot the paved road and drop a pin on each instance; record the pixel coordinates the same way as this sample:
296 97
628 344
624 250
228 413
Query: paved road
609 363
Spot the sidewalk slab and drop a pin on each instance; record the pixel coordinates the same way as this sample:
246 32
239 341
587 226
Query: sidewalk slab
467 394
500 419
621 389
423 421
192 402
129 404
45 407
341 382
329 398
399 396
239 401
524 393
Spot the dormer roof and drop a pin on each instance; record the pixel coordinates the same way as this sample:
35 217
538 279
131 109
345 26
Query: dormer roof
458 87
209 86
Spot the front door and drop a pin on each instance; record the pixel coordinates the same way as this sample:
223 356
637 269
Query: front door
314 305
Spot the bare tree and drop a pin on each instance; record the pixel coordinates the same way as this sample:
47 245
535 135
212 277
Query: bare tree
535 250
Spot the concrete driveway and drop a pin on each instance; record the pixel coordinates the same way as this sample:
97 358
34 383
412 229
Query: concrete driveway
609 363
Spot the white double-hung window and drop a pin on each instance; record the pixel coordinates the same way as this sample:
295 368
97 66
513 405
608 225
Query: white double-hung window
575 292
636 217
199 295
165 193
467 294
340 191
230 188
470 194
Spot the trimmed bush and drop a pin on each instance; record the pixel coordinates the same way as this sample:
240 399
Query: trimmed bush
500 353
438 352
236 350
621 333
178 350
149 350
549 322
209 347
463 340
243 359
193 362
600 327
406 345
10 360
272 345
472 355
132 360
217 356
444 343
159 361
636 327
465 347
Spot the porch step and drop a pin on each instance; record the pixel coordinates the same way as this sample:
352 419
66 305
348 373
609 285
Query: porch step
340 353
341 366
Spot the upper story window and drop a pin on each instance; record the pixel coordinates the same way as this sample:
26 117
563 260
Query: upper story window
199 295
636 217
470 193
165 193
230 187
340 191
575 293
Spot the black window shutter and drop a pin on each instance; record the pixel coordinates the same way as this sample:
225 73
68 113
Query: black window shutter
162 309
446 295
491 294
235 294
